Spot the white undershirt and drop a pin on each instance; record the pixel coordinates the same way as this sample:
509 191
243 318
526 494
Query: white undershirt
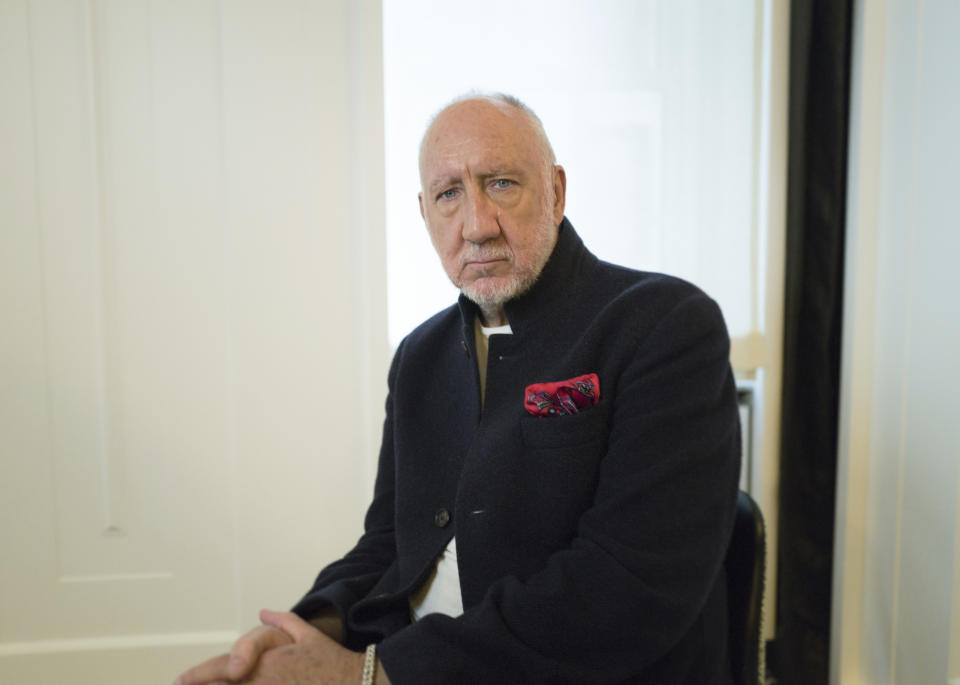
440 593
494 330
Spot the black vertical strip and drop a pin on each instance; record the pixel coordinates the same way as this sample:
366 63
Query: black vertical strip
820 35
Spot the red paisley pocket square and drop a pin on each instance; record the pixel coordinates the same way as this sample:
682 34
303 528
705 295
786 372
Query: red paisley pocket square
562 397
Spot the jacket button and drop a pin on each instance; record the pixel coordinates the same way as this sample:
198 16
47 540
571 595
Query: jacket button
441 518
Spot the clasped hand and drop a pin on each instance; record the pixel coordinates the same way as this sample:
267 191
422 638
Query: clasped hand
284 650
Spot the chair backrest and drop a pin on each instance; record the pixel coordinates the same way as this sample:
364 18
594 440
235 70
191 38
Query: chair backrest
745 565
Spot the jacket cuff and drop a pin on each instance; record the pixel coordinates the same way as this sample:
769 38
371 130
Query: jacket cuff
337 595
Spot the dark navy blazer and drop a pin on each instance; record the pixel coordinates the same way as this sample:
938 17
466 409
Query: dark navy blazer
590 546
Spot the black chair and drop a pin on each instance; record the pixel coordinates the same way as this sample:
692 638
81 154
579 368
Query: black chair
745 565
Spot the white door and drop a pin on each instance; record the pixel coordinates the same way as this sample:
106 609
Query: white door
192 346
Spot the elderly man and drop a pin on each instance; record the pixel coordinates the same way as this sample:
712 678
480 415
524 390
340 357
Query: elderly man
559 464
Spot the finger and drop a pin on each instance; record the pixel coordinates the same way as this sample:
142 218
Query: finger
247 650
290 623
209 671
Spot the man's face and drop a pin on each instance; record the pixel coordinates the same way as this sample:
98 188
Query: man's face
490 200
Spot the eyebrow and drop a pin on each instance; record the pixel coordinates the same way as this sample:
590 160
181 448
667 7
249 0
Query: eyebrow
505 170
438 183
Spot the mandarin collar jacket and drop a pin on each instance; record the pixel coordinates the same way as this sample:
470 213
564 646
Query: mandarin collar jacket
589 546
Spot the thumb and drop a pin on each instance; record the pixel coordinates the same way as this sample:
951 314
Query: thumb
290 623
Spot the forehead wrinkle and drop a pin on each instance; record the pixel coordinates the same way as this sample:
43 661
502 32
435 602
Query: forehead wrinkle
488 153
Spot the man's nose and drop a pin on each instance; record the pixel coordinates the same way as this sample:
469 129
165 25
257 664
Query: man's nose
481 221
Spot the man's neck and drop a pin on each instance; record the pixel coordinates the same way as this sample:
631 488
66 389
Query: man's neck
494 316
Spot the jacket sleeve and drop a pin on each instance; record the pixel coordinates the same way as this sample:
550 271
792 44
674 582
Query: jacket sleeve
648 551
351 578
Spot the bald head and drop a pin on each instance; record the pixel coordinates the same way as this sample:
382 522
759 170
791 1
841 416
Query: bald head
524 118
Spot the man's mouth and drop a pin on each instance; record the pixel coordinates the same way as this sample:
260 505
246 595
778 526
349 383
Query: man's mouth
484 260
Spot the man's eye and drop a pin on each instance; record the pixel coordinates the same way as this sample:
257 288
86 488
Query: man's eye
502 183
447 194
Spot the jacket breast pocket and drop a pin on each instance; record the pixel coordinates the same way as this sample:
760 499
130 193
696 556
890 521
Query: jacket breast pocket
559 467
589 426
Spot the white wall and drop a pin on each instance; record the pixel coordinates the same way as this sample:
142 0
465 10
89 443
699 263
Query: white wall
896 579
193 342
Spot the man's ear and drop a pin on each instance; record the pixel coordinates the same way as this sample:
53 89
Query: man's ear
420 200
559 193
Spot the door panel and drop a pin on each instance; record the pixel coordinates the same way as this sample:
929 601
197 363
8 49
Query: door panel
192 333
